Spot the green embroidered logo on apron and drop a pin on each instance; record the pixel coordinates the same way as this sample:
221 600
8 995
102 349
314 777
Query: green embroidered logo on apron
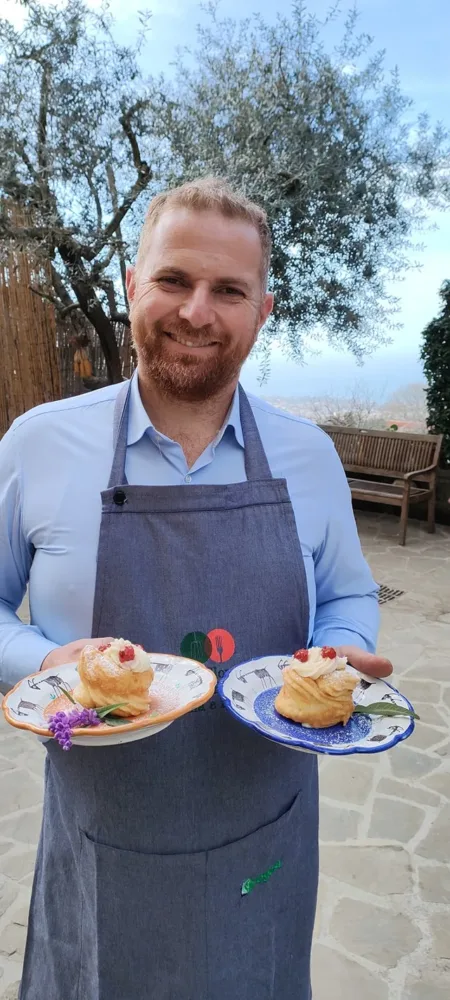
196 646
250 883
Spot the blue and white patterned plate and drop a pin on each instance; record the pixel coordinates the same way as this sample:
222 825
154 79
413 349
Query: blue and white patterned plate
249 691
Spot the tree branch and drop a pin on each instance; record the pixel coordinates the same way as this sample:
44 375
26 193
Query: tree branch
18 191
115 204
125 121
53 234
62 310
26 159
108 287
34 55
69 309
134 192
91 307
281 70
60 288
121 317
38 234
45 295
96 198
42 122
145 175
101 265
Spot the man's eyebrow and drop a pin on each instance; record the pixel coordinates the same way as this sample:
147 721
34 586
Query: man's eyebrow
239 282
177 272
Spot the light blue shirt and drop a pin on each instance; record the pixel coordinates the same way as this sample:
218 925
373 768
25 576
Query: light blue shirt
54 462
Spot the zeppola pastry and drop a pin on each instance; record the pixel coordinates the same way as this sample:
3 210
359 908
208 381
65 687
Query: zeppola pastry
116 673
317 689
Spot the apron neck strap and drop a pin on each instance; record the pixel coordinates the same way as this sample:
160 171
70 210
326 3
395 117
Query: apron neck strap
256 464
120 436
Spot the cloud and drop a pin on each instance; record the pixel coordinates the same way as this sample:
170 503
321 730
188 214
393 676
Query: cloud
10 11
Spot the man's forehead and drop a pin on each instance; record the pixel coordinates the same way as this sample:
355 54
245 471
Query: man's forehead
186 233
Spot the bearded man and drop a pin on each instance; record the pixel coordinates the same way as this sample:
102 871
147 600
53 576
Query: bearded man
163 509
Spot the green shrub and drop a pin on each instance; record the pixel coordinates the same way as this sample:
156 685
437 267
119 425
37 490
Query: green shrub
435 355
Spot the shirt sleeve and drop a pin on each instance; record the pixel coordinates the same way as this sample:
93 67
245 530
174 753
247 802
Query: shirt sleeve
22 647
347 610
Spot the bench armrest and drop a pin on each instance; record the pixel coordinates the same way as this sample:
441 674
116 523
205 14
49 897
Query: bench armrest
420 472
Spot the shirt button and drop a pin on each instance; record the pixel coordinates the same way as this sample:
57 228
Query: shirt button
188 479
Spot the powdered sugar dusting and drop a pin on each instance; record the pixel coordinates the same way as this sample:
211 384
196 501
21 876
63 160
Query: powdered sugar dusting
116 654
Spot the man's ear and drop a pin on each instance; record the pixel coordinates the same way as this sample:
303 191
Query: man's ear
266 308
131 283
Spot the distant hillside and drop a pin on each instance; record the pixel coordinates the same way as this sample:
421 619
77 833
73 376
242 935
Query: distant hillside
405 408
334 373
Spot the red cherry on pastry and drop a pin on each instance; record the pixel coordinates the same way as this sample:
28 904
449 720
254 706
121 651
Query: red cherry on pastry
101 649
126 654
329 653
302 655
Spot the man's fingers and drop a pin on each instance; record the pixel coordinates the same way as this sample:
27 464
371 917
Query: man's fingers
379 666
81 643
367 663
71 651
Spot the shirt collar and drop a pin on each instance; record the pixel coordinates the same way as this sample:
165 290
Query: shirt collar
139 422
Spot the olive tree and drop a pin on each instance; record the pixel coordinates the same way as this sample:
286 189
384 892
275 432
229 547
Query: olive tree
74 115
323 139
326 141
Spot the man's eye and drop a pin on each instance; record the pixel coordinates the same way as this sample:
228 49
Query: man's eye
229 290
170 280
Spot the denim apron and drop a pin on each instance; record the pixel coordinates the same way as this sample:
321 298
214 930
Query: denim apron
147 848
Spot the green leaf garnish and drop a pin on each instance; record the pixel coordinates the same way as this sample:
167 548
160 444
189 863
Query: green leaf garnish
107 709
115 720
385 708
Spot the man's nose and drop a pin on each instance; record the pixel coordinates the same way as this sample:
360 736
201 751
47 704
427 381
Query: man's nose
197 308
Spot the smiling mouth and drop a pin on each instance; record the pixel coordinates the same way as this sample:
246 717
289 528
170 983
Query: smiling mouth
190 343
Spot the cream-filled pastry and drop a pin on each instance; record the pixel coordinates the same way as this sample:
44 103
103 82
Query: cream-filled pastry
317 689
117 673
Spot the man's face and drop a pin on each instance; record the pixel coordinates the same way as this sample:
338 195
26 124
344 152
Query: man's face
197 303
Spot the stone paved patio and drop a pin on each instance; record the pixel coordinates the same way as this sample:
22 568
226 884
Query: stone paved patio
383 927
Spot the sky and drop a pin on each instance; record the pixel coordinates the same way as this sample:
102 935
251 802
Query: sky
415 38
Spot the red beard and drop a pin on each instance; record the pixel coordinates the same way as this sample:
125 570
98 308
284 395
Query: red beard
186 376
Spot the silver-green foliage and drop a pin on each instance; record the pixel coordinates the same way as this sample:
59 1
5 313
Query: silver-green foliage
321 137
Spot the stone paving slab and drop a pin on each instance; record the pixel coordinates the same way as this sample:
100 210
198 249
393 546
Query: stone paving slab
382 930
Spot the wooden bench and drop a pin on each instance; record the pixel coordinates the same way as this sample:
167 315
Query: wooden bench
405 467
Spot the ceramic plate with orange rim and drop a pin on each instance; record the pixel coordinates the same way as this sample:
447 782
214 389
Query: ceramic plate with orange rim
180 686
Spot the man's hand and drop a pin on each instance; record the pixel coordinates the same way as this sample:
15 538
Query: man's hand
70 652
367 663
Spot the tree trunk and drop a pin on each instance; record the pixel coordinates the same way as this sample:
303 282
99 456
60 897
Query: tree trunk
93 310
105 330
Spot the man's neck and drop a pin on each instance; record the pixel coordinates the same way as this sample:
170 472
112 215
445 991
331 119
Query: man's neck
192 425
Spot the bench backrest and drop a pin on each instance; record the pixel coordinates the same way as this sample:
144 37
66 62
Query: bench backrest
384 453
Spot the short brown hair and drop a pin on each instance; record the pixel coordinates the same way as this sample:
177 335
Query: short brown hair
203 195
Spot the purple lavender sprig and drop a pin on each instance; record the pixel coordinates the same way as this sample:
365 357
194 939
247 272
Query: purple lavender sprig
63 723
